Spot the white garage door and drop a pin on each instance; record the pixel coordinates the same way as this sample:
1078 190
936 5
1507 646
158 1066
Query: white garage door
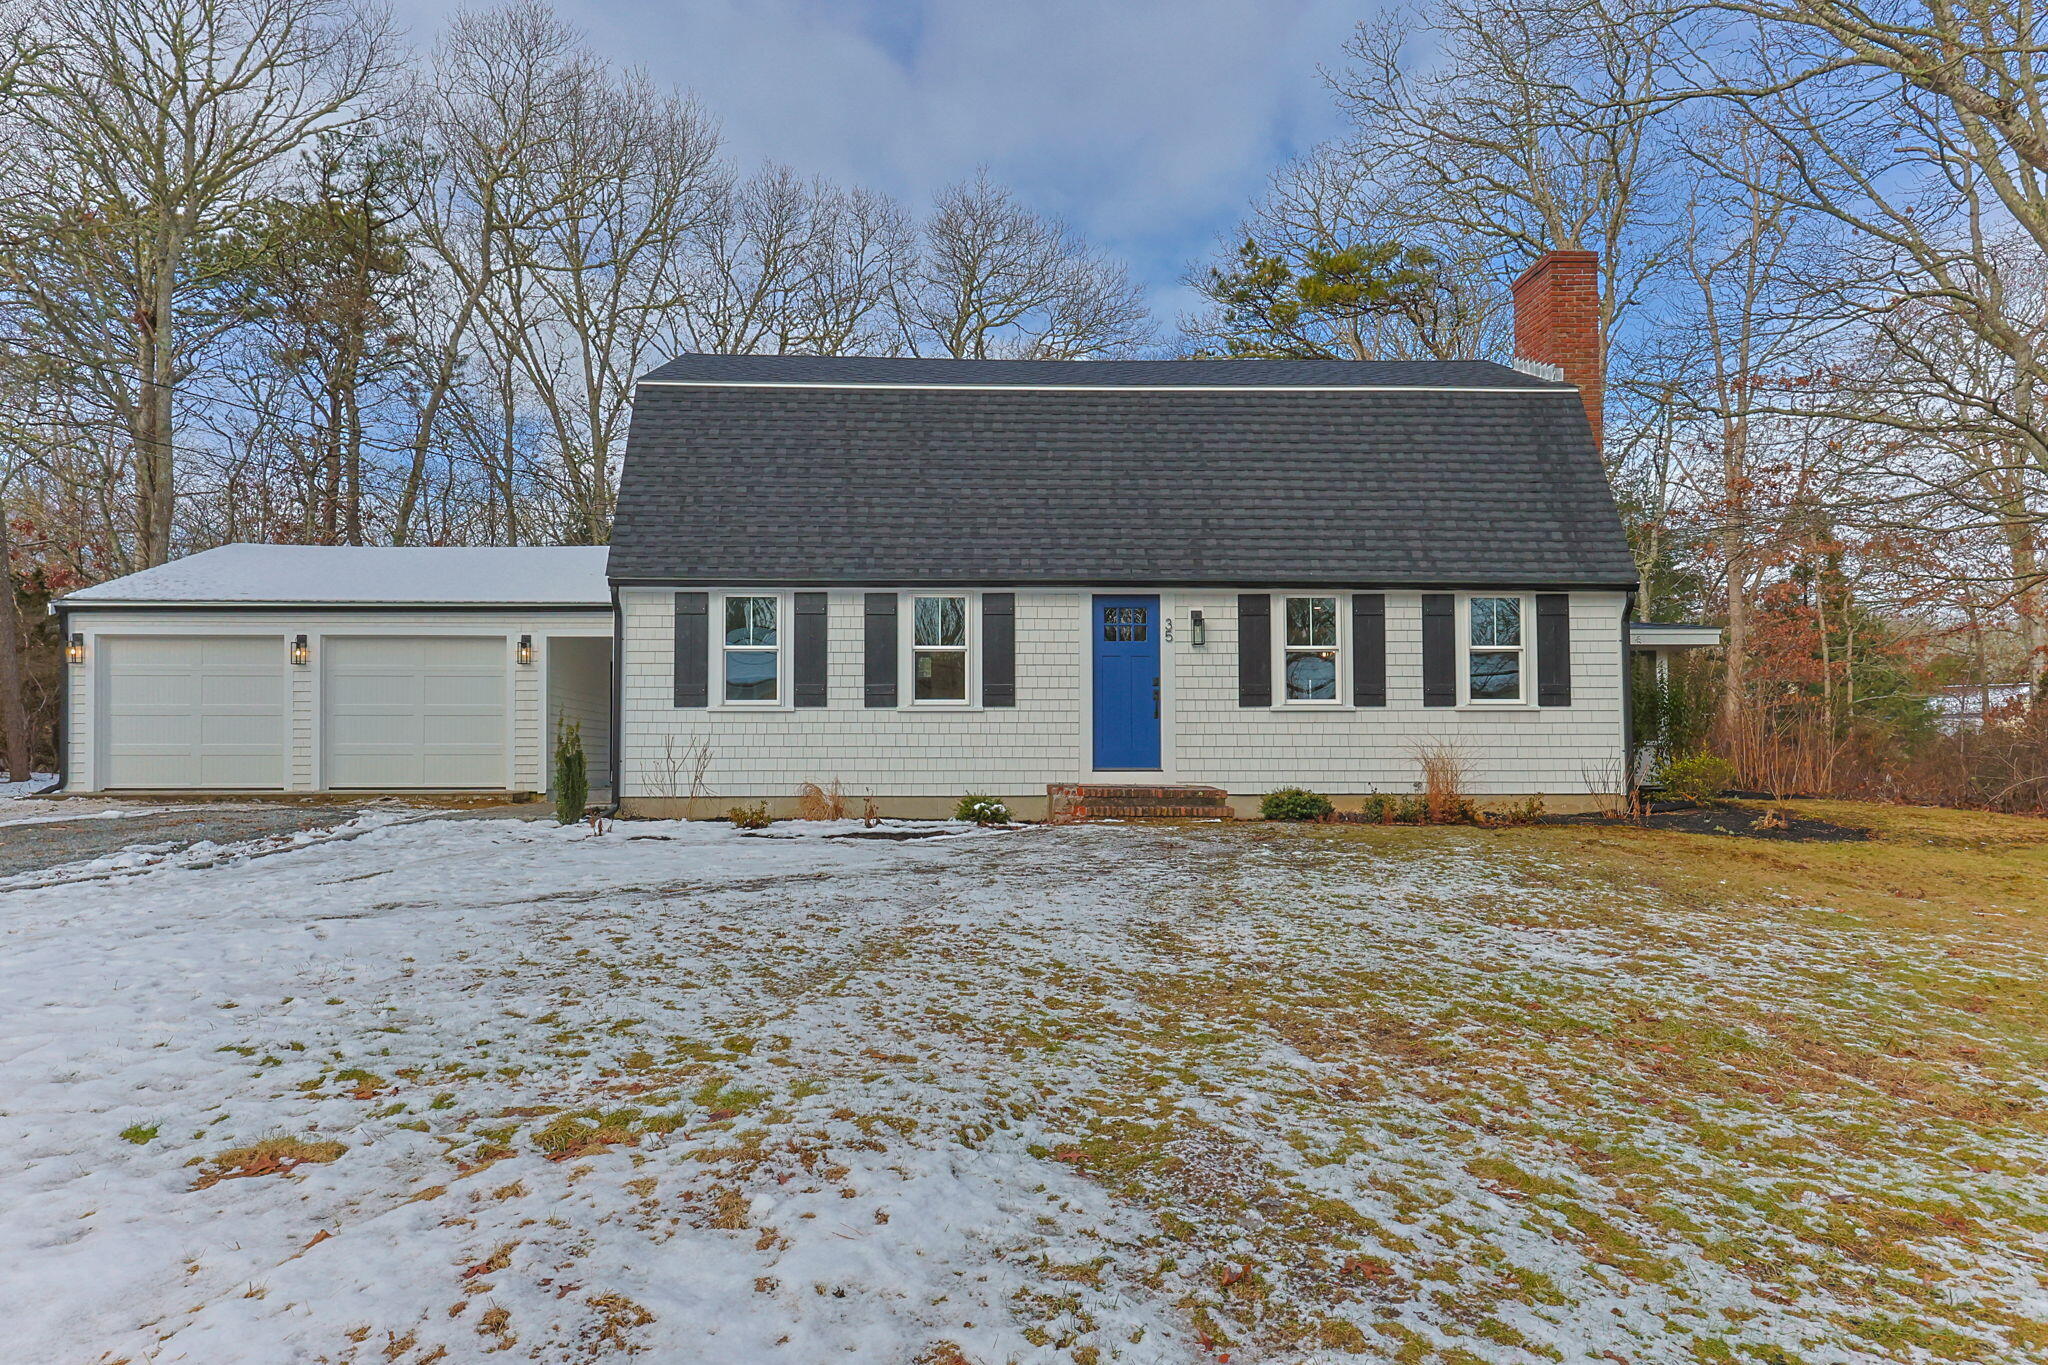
414 711
192 711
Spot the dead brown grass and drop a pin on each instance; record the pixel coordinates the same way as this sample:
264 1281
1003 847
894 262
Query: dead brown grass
1443 783
271 1156
814 802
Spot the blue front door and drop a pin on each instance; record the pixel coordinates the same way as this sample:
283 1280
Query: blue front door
1126 682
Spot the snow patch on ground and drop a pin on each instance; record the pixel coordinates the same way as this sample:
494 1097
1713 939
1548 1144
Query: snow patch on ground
15 791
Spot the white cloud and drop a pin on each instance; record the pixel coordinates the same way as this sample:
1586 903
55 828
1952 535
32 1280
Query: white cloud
1148 124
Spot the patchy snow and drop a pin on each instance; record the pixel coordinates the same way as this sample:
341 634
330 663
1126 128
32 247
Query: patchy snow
59 812
370 574
15 791
1032 1095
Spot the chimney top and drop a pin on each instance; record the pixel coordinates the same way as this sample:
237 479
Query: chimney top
1557 324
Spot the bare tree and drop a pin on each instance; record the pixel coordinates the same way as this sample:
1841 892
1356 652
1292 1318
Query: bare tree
159 123
596 286
995 280
1512 125
1918 131
1736 337
789 266
483 115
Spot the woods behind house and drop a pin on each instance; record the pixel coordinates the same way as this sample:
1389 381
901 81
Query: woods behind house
271 271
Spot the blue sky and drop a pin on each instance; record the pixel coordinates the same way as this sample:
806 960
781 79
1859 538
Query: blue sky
1148 124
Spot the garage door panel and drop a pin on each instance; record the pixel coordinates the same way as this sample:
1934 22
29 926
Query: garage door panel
459 771
252 692
416 711
465 692
193 712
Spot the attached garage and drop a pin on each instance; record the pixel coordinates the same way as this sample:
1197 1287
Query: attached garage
256 668
193 711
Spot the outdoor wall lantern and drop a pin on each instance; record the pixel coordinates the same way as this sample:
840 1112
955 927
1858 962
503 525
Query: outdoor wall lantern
301 653
1198 629
74 650
525 651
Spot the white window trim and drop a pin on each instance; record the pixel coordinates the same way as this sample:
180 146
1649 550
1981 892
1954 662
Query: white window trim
1278 615
784 620
1527 651
907 652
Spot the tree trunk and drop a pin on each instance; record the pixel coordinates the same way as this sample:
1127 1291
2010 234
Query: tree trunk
13 698
2024 554
156 371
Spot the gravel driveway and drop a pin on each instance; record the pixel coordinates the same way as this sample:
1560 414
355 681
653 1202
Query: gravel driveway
57 836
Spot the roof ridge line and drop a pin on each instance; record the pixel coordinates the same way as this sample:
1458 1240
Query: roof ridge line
1106 388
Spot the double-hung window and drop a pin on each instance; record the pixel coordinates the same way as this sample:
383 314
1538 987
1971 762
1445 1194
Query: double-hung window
1494 652
753 650
938 649
1309 651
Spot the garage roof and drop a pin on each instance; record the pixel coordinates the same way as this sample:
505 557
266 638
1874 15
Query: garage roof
364 575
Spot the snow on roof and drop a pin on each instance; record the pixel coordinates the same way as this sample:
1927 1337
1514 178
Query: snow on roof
552 575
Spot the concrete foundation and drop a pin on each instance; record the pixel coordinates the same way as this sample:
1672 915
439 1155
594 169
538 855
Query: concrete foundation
1023 807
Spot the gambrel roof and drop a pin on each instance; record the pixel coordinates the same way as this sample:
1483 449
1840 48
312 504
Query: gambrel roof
817 470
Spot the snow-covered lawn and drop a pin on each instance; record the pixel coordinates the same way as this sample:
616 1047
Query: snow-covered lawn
438 1090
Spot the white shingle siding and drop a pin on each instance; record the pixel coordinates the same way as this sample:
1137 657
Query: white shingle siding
897 751
1507 750
527 766
584 697
908 751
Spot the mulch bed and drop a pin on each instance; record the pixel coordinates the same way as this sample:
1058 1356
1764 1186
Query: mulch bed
1736 820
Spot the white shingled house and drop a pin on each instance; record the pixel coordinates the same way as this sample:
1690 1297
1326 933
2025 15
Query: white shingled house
1184 582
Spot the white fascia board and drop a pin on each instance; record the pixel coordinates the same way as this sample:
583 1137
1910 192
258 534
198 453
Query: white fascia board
1650 635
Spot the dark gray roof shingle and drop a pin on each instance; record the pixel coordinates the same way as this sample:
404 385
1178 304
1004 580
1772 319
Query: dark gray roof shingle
889 370
943 485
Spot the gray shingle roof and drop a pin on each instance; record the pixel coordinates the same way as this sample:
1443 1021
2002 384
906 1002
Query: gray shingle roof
1439 485
893 370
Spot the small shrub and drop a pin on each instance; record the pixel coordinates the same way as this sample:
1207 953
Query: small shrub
141 1134
814 802
1388 809
982 810
1294 803
750 817
572 774
1698 777
1514 812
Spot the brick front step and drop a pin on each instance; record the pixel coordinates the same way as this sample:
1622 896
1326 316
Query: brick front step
1071 801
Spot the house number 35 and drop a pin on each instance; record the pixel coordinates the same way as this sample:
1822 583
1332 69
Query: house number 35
1166 625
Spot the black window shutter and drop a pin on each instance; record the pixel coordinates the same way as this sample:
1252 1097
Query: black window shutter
1553 649
810 645
1439 649
1254 649
999 649
879 628
693 649
1369 642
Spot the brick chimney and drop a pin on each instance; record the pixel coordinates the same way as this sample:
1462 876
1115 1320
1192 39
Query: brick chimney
1557 322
